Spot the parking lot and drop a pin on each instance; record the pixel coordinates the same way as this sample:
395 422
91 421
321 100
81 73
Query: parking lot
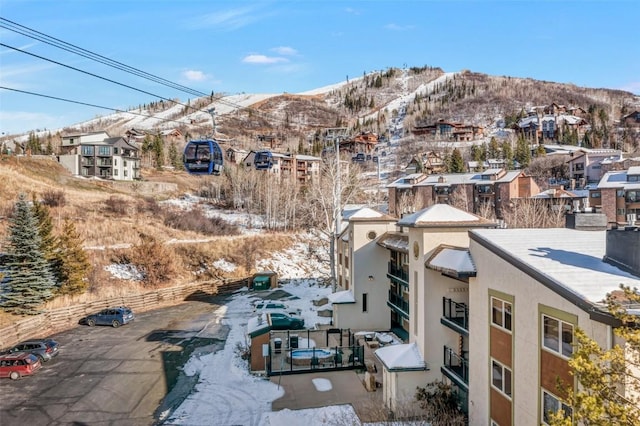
127 376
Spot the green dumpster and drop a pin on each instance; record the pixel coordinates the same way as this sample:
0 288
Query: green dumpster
262 282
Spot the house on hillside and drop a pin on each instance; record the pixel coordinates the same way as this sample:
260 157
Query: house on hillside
585 165
428 162
302 168
449 131
632 119
491 188
364 142
617 196
97 155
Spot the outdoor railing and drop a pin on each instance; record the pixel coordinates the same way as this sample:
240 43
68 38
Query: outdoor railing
456 312
456 364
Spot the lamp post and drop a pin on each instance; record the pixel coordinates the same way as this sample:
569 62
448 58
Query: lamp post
337 214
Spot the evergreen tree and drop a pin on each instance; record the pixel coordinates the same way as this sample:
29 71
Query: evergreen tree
493 150
74 263
48 240
174 157
507 154
158 151
456 163
523 152
30 278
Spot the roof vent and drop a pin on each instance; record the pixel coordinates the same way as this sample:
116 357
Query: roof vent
442 179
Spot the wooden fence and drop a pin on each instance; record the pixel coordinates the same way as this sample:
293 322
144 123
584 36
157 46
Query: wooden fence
57 320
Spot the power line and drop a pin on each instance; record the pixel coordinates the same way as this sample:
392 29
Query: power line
52 41
167 120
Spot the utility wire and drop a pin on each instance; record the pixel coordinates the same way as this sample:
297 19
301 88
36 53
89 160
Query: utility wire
52 41
37 35
167 120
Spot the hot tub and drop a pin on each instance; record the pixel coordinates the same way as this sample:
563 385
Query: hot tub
303 356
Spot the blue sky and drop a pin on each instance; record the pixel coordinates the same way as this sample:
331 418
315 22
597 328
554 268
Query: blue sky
293 46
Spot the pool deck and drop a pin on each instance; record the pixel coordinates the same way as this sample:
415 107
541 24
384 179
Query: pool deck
347 387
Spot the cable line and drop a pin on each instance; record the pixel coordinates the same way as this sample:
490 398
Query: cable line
167 120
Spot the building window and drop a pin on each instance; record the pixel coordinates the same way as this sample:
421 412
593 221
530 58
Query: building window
125 163
557 336
125 173
87 150
620 193
620 212
501 378
115 172
594 194
633 178
364 302
551 404
501 313
115 150
104 150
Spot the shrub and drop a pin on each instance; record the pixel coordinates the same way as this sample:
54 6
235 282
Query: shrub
117 205
196 220
53 198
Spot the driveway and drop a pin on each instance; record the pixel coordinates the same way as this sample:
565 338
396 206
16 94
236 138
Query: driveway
116 376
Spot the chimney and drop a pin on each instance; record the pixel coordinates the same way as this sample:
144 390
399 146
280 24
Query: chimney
586 221
623 248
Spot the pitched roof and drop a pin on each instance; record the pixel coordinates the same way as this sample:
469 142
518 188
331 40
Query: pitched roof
401 357
395 241
453 261
439 215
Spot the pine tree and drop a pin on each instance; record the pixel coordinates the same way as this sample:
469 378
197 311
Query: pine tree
507 154
456 164
30 278
48 240
523 152
74 263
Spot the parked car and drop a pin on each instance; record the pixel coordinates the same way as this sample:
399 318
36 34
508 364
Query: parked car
284 321
44 349
18 364
114 317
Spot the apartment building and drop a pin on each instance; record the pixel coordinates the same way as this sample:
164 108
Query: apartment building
617 195
303 168
490 311
532 289
470 191
98 155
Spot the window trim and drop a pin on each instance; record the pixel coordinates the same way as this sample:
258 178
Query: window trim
503 314
561 323
503 368
560 405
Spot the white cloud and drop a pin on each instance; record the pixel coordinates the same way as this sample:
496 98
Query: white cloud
396 27
263 59
231 19
352 11
285 50
193 75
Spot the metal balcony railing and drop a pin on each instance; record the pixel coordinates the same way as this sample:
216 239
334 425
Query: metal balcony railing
456 312
398 302
456 364
399 272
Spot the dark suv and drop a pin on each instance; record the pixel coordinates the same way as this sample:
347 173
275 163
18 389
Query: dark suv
44 349
114 317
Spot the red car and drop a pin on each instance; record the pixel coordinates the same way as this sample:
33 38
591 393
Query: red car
18 364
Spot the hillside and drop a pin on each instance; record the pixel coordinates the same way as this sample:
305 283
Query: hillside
367 103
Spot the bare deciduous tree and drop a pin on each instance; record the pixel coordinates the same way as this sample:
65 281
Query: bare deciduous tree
534 213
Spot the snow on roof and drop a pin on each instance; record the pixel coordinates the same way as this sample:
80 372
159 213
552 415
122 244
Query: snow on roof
307 157
439 214
452 260
401 357
570 258
258 323
618 179
365 212
341 297
633 170
395 241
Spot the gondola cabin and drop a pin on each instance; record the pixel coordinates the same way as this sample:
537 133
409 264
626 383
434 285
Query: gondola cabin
263 160
203 157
